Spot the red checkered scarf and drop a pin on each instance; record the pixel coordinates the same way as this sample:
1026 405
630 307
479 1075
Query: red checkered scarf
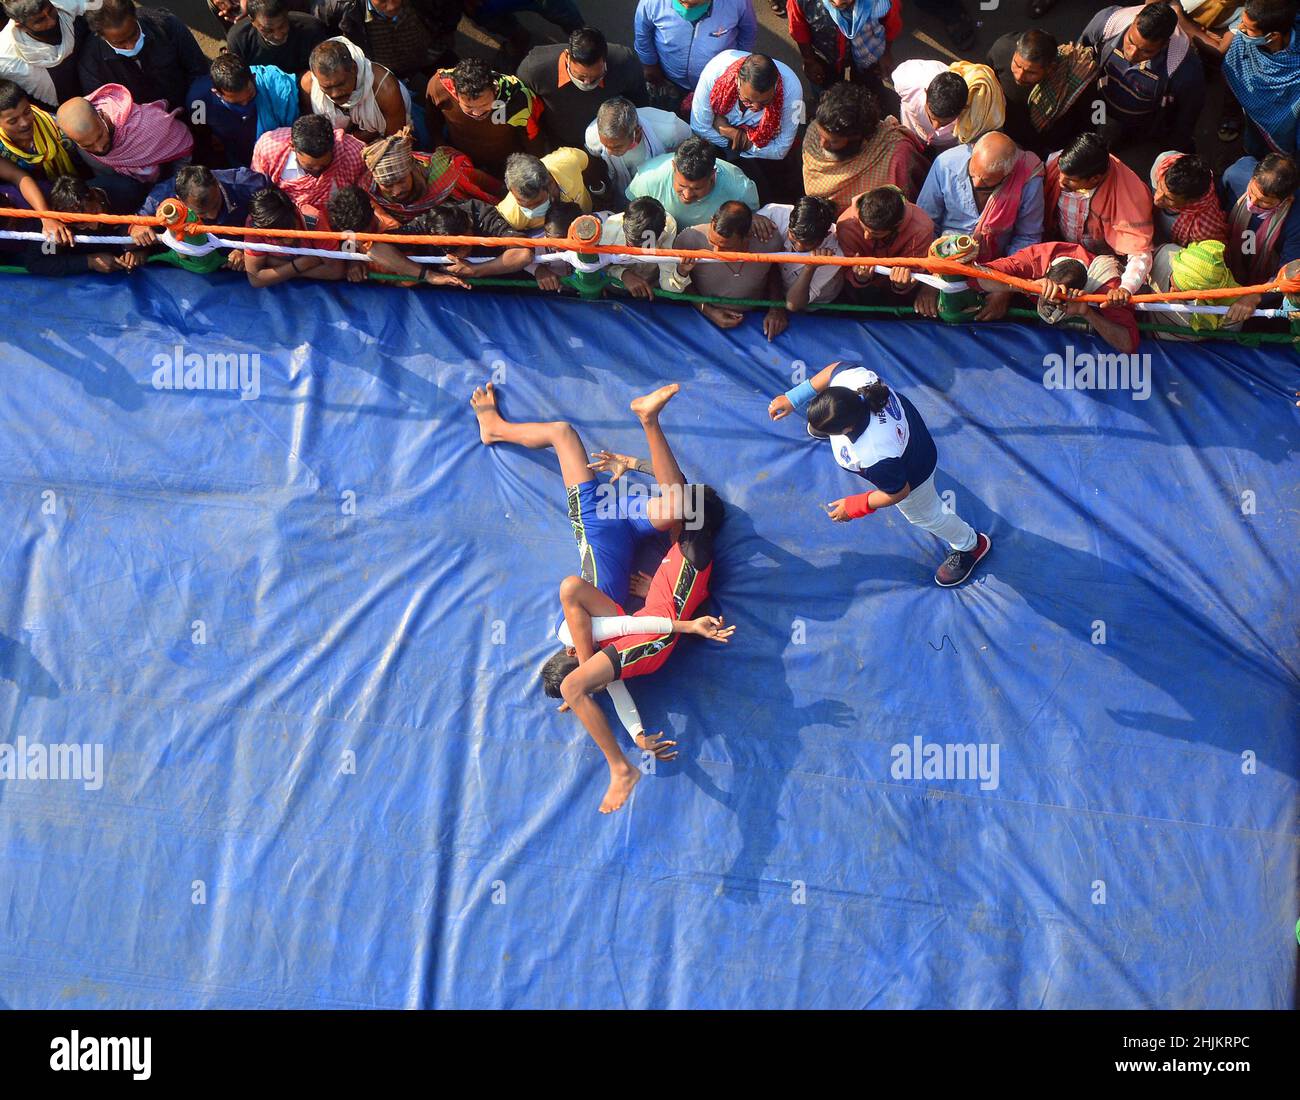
725 93
1202 220
272 153
145 135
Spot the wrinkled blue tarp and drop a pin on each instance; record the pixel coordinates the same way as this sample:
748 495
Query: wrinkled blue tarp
356 776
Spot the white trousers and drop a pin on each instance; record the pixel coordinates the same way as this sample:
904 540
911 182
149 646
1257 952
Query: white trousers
924 509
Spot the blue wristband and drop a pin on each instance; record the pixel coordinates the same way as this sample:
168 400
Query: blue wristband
801 395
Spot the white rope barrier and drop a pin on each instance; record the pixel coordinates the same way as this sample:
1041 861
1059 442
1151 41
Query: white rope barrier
215 243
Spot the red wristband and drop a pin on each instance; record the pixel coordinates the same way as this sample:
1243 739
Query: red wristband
857 507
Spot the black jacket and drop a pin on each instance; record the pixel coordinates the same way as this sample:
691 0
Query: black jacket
348 18
165 67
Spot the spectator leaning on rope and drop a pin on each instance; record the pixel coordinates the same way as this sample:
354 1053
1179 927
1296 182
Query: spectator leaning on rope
1091 198
216 198
881 223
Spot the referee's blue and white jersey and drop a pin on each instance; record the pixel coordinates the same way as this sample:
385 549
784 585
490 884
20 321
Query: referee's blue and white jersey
895 448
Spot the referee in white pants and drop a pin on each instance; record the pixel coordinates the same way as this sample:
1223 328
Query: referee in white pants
878 435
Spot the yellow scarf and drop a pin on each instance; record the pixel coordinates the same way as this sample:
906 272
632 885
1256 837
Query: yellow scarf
50 153
986 105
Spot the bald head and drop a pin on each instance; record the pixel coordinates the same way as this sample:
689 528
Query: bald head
78 119
991 159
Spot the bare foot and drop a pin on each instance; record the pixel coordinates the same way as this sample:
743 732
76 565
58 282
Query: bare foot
620 786
484 402
647 407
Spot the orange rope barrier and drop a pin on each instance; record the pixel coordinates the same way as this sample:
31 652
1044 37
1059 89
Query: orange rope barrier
1279 285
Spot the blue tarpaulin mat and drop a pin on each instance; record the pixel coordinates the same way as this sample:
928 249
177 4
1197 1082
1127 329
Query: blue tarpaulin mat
304 630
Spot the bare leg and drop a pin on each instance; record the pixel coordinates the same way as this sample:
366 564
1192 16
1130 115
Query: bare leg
666 510
647 409
582 601
578 687
535 435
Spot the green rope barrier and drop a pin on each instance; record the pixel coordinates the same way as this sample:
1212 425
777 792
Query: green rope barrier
1247 339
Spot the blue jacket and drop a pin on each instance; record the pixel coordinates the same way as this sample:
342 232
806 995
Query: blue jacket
682 48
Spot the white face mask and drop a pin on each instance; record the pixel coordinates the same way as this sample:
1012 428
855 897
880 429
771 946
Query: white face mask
535 211
132 51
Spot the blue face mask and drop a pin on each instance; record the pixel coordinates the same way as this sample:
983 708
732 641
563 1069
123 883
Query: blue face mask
1253 39
535 211
139 45
691 15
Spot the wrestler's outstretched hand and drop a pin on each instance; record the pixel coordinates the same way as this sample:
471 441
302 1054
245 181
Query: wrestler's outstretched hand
651 742
707 626
607 462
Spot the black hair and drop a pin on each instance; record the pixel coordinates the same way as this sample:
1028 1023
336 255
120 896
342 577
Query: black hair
271 208
447 220
1272 16
110 14
848 109
350 210
268 8
1188 177
587 45
811 219
695 158
1277 175
1070 272
230 73
838 409
559 216
882 209
759 72
644 220
946 95
715 512
1157 22
331 56
312 135
472 76
1037 47
557 667
68 195
1085 157
191 180
11 95
733 219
